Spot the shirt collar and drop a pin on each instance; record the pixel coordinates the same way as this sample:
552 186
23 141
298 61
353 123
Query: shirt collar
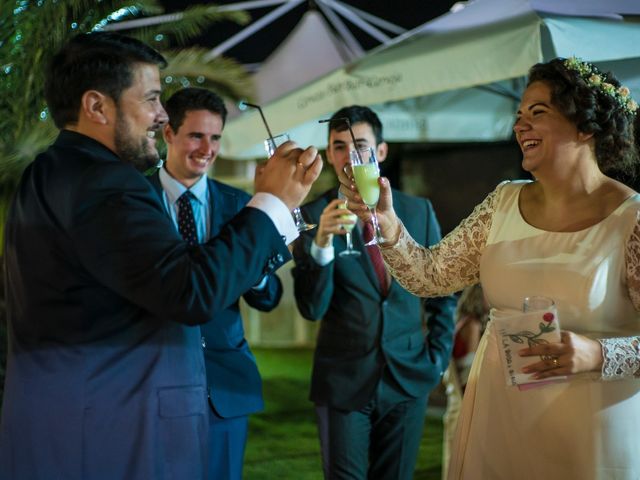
174 189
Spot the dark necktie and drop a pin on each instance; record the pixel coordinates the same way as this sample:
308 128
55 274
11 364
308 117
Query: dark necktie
376 259
186 222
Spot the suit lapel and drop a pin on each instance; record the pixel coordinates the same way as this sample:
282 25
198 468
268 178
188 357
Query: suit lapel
364 259
223 207
154 179
216 205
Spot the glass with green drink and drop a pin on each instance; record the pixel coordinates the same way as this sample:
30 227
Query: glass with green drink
366 171
348 228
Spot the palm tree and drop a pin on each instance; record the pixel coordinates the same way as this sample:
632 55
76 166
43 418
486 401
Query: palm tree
31 30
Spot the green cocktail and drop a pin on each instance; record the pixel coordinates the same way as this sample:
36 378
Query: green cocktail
351 216
365 171
348 228
366 177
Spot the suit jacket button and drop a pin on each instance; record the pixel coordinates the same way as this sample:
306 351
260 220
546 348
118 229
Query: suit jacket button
204 342
279 258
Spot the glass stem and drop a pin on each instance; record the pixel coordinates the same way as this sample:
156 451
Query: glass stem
297 217
349 244
376 227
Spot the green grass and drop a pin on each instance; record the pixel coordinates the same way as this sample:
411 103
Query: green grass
283 440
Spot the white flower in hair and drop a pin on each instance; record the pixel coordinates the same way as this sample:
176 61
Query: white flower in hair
597 81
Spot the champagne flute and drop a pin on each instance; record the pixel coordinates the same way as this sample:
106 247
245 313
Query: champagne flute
348 227
270 145
366 171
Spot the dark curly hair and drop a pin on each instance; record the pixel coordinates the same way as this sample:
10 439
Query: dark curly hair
594 111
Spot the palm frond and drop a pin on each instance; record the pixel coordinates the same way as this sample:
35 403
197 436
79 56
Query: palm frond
190 67
191 24
24 148
114 11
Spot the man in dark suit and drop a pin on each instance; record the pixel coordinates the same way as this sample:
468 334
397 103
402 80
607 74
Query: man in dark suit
196 121
106 375
374 364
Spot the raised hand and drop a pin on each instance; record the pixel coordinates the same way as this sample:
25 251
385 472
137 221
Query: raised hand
289 173
387 218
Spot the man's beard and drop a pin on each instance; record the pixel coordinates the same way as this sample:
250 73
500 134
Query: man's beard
130 149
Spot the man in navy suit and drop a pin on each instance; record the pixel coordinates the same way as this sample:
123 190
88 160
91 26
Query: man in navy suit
105 372
196 121
374 363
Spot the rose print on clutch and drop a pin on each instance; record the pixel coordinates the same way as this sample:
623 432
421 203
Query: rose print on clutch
513 332
535 338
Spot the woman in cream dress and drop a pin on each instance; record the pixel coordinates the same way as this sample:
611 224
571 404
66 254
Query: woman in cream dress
573 235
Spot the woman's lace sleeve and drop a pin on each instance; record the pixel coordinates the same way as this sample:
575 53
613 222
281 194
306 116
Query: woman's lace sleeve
622 355
448 266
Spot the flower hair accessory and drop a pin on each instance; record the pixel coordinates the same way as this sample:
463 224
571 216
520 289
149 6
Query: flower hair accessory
598 81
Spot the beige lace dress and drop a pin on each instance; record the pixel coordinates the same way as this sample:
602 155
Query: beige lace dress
585 428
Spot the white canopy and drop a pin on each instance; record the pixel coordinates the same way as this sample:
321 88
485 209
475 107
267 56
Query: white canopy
309 52
457 77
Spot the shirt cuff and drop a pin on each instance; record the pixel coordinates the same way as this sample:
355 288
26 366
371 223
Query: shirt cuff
278 212
322 255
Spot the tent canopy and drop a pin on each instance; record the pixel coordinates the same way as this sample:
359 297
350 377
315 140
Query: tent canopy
309 52
457 77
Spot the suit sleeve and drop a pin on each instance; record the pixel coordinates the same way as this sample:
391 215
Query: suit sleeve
440 310
125 240
313 285
267 298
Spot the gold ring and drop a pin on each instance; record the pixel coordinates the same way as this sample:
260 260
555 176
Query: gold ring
555 362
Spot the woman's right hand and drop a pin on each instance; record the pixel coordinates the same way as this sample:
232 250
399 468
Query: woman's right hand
387 218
